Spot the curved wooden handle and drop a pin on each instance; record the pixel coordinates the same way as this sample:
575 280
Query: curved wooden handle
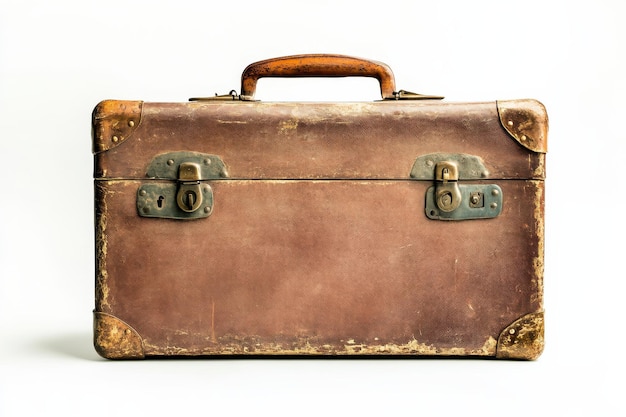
317 65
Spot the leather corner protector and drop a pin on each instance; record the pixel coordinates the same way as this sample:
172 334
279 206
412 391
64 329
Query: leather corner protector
526 121
113 122
522 339
115 339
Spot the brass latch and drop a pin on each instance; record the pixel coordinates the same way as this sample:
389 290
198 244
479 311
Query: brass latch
447 193
189 195
177 186
452 198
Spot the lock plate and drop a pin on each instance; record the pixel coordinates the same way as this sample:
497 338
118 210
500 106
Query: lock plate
469 166
177 186
477 201
158 199
166 166
454 196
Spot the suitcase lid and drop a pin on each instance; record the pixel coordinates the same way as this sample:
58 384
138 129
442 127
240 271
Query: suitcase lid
301 140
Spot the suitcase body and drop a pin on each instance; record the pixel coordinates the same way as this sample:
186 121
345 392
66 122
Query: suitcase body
407 226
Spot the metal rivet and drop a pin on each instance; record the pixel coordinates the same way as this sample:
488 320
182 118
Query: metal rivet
510 123
494 205
523 138
207 161
207 210
115 139
170 162
131 123
127 331
512 331
143 192
146 209
495 193
429 163
475 199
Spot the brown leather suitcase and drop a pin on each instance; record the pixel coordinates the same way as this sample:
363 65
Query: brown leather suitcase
408 226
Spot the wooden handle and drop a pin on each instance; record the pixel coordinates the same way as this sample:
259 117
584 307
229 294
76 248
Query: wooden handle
317 65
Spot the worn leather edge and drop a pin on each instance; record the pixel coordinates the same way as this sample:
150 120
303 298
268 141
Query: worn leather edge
113 122
539 260
522 339
255 346
112 337
115 339
100 220
526 120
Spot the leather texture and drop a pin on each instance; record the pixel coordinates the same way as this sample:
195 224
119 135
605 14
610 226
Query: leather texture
317 243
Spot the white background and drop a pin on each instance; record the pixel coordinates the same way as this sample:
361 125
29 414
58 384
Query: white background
58 59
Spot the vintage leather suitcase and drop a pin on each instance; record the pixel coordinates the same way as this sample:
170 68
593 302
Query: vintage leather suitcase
408 226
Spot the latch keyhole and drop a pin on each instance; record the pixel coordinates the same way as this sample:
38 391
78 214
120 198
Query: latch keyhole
160 201
191 200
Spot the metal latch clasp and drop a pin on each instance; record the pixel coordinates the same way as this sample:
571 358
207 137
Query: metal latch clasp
447 192
457 194
178 185
189 195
